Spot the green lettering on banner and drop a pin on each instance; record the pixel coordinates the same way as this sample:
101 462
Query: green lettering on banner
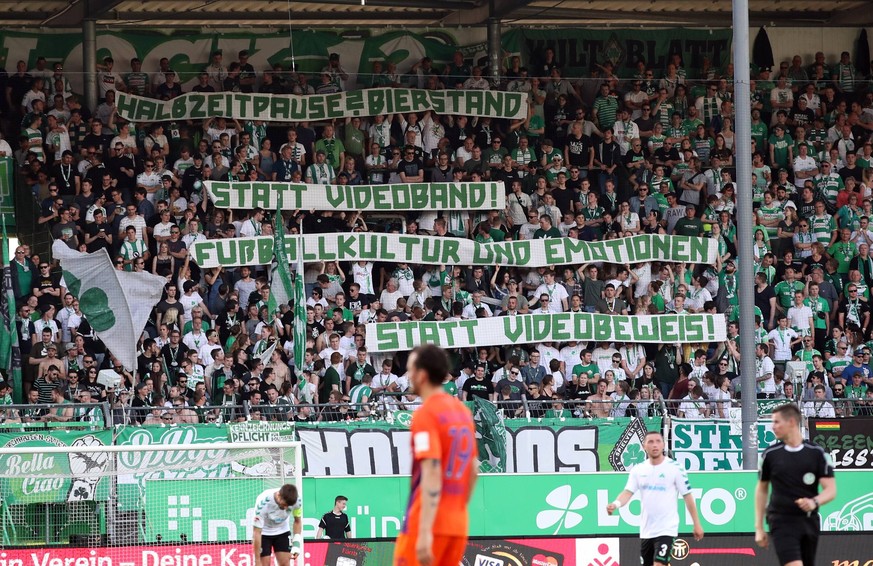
428 250
396 197
355 102
376 101
559 327
316 107
437 100
711 446
126 105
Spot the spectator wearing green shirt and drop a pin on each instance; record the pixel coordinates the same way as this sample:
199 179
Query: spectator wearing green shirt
605 108
820 314
546 230
759 131
587 368
593 215
786 288
360 396
690 225
843 250
781 148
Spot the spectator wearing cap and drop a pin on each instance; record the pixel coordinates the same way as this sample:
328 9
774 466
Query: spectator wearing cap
320 172
611 303
335 71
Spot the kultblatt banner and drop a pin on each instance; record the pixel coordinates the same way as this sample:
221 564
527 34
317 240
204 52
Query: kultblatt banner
315 107
849 442
365 198
435 250
559 327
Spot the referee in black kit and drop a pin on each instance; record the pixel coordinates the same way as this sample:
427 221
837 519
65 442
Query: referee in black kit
335 523
796 468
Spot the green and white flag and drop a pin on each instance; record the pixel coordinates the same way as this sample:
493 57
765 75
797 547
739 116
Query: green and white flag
116 304
299 330
281 288
490 437
10 353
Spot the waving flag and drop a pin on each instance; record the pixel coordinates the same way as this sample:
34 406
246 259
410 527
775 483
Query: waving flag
115 303
281 287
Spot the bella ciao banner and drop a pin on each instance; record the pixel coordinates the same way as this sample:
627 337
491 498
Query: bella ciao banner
315 107
435 250
392 198
560 327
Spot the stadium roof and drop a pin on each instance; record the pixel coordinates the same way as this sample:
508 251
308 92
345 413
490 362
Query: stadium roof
380 13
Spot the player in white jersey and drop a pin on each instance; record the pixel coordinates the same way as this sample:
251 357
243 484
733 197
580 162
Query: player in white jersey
659 481
271 531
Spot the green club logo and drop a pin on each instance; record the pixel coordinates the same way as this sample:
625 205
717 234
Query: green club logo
93 302
563 512
632 456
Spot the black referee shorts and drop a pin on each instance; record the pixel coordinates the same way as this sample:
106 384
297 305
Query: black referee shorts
794 537
275 543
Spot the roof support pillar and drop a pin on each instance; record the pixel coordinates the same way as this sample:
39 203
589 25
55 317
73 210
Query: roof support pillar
89 61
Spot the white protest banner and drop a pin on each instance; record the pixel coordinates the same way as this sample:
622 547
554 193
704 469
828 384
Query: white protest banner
435 250
388 198
316 107
558 327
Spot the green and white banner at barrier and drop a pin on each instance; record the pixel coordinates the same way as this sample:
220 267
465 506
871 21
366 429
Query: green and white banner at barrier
260 431
711 445
559 327
136 468
318 107
435 250
54 478
364 198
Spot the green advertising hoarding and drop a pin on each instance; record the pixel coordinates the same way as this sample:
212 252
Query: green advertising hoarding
54 478
502 505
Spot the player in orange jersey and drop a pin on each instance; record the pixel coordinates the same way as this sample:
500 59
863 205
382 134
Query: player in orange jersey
444 469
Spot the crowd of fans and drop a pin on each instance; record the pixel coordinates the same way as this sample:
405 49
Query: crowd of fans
596 158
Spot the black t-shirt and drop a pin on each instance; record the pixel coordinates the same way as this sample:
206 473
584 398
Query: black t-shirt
793 474
482 389
93 229
45 284
65 177
762 301
410 168
335 526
